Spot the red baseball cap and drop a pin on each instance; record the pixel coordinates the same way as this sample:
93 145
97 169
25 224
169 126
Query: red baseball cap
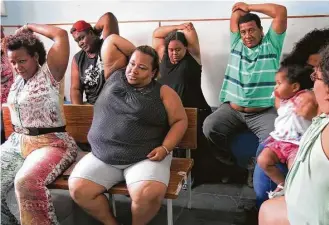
80 25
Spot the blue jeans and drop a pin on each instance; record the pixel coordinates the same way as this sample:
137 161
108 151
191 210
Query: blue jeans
262 183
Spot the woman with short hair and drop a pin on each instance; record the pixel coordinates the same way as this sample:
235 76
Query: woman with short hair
39 149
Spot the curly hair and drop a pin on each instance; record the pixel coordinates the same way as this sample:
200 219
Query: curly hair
324 64
310 44
151 52
299 74
29 41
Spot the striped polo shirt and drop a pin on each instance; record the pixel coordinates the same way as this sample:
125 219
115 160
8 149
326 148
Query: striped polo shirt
250 74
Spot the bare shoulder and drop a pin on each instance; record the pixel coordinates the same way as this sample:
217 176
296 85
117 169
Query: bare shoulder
169 96
325 141
165 87
166 90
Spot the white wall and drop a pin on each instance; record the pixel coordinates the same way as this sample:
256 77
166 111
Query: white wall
20 12
213 35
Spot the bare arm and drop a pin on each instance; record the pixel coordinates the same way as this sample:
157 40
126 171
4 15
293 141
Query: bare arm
107 25
234 21
58 55
177 117
277 12
75 90
115 51
193 45
159 36
177 120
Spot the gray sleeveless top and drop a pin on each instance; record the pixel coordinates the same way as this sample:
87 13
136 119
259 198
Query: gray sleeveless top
128 122
91 73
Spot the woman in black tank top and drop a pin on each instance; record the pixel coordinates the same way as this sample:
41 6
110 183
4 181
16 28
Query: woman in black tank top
180 68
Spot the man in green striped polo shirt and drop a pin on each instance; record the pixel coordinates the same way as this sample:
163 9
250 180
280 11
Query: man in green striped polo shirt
249 80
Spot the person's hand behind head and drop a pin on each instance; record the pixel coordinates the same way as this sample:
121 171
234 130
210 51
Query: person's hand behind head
240 6
189 26
186 26
23 29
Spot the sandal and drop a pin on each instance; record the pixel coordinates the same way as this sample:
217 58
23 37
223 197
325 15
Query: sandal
279 191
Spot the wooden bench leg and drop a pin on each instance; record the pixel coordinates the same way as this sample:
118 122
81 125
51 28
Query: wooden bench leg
114 210
170 212
189 183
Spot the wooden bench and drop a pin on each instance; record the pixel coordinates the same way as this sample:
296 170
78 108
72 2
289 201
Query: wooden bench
78 121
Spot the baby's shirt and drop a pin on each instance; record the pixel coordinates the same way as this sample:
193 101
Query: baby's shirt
288 126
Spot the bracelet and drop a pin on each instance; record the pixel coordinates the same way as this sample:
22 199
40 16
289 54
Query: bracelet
165 148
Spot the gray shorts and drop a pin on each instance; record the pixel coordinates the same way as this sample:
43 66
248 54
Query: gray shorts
95 170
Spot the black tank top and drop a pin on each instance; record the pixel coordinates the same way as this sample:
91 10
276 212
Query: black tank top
91 74
185 79
128 122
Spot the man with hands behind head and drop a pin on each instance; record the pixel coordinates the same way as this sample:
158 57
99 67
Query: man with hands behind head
249 79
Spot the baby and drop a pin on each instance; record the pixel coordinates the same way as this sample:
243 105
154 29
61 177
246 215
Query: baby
283 143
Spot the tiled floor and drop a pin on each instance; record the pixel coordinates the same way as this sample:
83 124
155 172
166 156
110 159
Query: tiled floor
212 204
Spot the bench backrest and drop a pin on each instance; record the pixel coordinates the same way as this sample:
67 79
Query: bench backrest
79 119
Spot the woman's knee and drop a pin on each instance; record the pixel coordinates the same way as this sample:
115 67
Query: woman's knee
83 190
27 184
264 216
153 192
75 189
273 212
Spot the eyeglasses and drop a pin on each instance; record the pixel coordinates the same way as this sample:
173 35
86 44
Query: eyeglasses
314 75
